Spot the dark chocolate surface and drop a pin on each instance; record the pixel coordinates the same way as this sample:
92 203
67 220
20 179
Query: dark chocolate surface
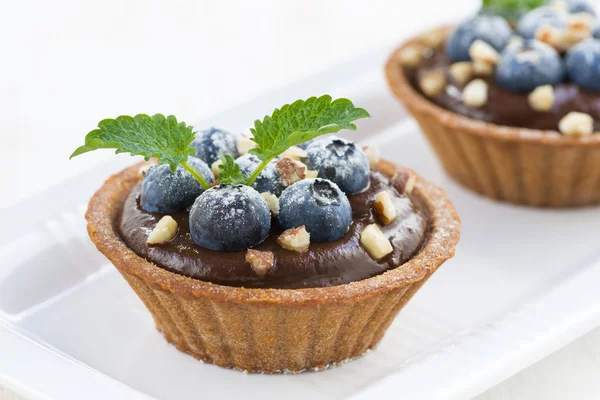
505 107
324 264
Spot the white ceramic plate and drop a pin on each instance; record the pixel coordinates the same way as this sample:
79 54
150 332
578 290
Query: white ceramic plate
522 284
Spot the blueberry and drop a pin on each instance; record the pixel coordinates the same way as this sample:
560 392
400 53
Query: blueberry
527 65
213 142
230 218
596 30
578 6
543 16
319 205
491 29
306 144
583 64
165 192
268 180
340 161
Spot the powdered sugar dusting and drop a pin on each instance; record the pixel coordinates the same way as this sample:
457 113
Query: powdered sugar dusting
340 161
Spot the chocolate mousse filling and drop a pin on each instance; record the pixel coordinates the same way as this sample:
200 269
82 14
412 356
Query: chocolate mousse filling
504 107
324 264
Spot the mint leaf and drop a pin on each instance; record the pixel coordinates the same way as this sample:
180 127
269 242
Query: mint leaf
230 172
157 136
510 8
301 121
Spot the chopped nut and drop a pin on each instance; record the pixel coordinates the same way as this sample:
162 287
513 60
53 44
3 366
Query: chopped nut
461 71
475 93
164 231
372 153
290 170
295 239
272 202
143 170
481 51
410 56
375 242
551 36
261 261
404 181
574 35
433 83
384 207
410 184
514 39
482 69
215 168
576 124
581 20
296 153
542 98
311 174
244 145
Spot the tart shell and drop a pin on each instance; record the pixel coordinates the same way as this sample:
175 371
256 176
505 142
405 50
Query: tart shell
518 165
272 330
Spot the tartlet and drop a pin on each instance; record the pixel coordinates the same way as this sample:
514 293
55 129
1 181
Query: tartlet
533 167
273 330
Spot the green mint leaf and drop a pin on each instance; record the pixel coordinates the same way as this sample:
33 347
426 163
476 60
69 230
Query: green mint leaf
230 172
301 121
511 9
157 136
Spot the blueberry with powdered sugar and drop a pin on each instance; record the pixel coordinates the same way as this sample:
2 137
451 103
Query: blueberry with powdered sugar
340 161
580 6
544 16
525 66
269 179
213 142
493 30
229 218
583 64
319 205
164 191
596 30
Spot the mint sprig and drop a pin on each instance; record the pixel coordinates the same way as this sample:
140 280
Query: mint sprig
230 171
510 8
299 122
170 141
158 136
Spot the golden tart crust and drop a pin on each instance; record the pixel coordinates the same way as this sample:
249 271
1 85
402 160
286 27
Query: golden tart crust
272 330
523 166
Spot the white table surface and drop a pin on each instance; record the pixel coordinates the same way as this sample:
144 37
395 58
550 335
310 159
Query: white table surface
64 65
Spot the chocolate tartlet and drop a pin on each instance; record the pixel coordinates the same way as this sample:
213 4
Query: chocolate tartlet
279 327
505 144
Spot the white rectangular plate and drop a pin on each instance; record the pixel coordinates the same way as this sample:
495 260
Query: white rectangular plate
522 284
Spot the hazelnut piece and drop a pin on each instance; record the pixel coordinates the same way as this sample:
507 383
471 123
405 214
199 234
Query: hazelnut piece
481 51
432 83
244 145
461 71
475 94
576 124
261 261
375 242
290 170
164 231
372 153
542 98
295 239
272 202
384 207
